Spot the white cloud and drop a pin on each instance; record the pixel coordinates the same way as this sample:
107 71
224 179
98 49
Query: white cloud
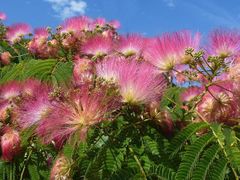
169 3
68 8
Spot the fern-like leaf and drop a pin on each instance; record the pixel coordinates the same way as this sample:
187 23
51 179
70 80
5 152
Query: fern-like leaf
161 172
203 167
191 157
49 70
178 142
218 169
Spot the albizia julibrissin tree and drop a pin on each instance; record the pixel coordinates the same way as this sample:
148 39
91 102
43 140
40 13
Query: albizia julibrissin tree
83 102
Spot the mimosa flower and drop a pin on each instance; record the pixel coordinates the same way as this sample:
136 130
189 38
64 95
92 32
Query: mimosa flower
169 50
224 43
129 45
140 82
10 144
16 31
97 46
84 109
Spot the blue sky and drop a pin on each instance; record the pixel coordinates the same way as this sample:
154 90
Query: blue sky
149 17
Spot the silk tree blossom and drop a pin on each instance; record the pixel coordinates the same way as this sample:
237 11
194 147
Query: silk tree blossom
219 104
32 86
10 90
34 108
108 69
5 58
234 72
5 106
83 70
169 50
16 31
83 109
3 16
99 22
131 44
41 33
224 43
41 46
115 24
10 144
76 24
61 168
97 46
190 93
140 82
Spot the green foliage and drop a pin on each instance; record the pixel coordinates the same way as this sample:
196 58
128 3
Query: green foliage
162 172
179 140
191 157
50 70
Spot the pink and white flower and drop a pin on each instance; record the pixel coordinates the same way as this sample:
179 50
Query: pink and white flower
10 144
76 24
190 93
108 69
129 45
224 43
3 16
169 50
97 46
83 109
140 82
16 31
10 90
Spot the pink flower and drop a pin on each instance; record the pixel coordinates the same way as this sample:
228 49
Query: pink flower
83 109
76 24
97 46
132 44
16 31
41 33
32 86
140 82
219 104
115 24
99 22
3 16
83 70
61 168
34 108
190 93
4 107
169 50
108 69
40 46
5 58
224 43
10 90
10 144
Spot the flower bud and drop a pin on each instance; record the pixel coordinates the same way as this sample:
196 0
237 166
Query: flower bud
5 58
10 144
61 168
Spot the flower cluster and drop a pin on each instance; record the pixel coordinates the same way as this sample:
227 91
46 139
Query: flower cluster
112 73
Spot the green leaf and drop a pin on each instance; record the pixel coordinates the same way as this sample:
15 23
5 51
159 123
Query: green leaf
179 140
191 157
162 172
218 169
33 171
232 148
151 145
203 166
68 150
112 160
50 70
